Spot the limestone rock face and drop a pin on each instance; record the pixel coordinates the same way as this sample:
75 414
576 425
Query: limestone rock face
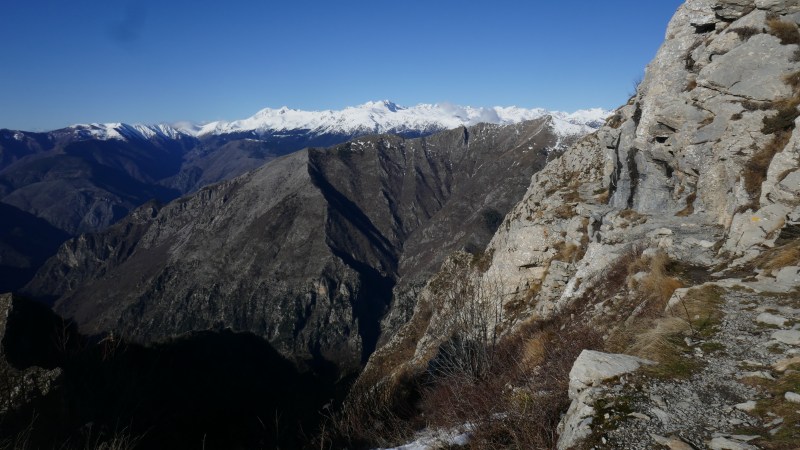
678 156
701 165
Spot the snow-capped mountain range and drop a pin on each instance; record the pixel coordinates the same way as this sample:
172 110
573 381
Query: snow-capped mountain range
371 117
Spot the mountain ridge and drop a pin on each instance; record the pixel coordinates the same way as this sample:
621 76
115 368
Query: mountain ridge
374 117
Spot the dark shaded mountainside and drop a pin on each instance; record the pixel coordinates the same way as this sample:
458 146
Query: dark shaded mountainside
79 180
26 242
307 250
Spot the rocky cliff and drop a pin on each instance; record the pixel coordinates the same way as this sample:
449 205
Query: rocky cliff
690 192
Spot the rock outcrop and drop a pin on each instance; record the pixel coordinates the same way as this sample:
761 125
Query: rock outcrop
25 381
590 369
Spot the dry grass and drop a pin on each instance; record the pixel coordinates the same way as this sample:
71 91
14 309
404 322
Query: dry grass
700 307
483 260
755 172
564 212
633 218
690 199
602 196
784 119
534 350
779 257
662 341
653 333
650 338
571 196
746 33
568 252
787 32
512 409
793 80
787 435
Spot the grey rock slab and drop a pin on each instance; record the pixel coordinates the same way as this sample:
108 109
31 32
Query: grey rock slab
788 275
592 367
733 9
792 397
779 6
758 374
771 319
790 337
746 406
753 70
722 443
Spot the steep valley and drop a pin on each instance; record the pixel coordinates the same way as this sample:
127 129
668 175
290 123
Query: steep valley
305 251
489 286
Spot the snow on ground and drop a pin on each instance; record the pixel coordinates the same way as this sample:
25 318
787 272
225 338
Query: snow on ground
435 439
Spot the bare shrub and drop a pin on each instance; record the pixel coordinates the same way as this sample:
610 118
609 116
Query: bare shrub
519 402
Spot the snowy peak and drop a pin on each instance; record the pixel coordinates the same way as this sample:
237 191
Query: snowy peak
123 131
377 117
388 117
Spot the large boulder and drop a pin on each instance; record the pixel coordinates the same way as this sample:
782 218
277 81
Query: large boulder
590 370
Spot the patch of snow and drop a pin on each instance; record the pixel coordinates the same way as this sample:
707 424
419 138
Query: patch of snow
124 132
434 439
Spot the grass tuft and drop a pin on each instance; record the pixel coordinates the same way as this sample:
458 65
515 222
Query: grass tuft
787 32
755 172
746 33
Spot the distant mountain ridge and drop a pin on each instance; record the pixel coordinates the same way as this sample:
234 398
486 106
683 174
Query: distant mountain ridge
379 117
387 117
86 177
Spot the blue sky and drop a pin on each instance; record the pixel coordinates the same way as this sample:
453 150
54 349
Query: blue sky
149 61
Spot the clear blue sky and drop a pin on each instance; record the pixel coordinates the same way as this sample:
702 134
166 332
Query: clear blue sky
65 62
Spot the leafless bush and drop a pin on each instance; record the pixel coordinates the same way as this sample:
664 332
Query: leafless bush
519 401
476 314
